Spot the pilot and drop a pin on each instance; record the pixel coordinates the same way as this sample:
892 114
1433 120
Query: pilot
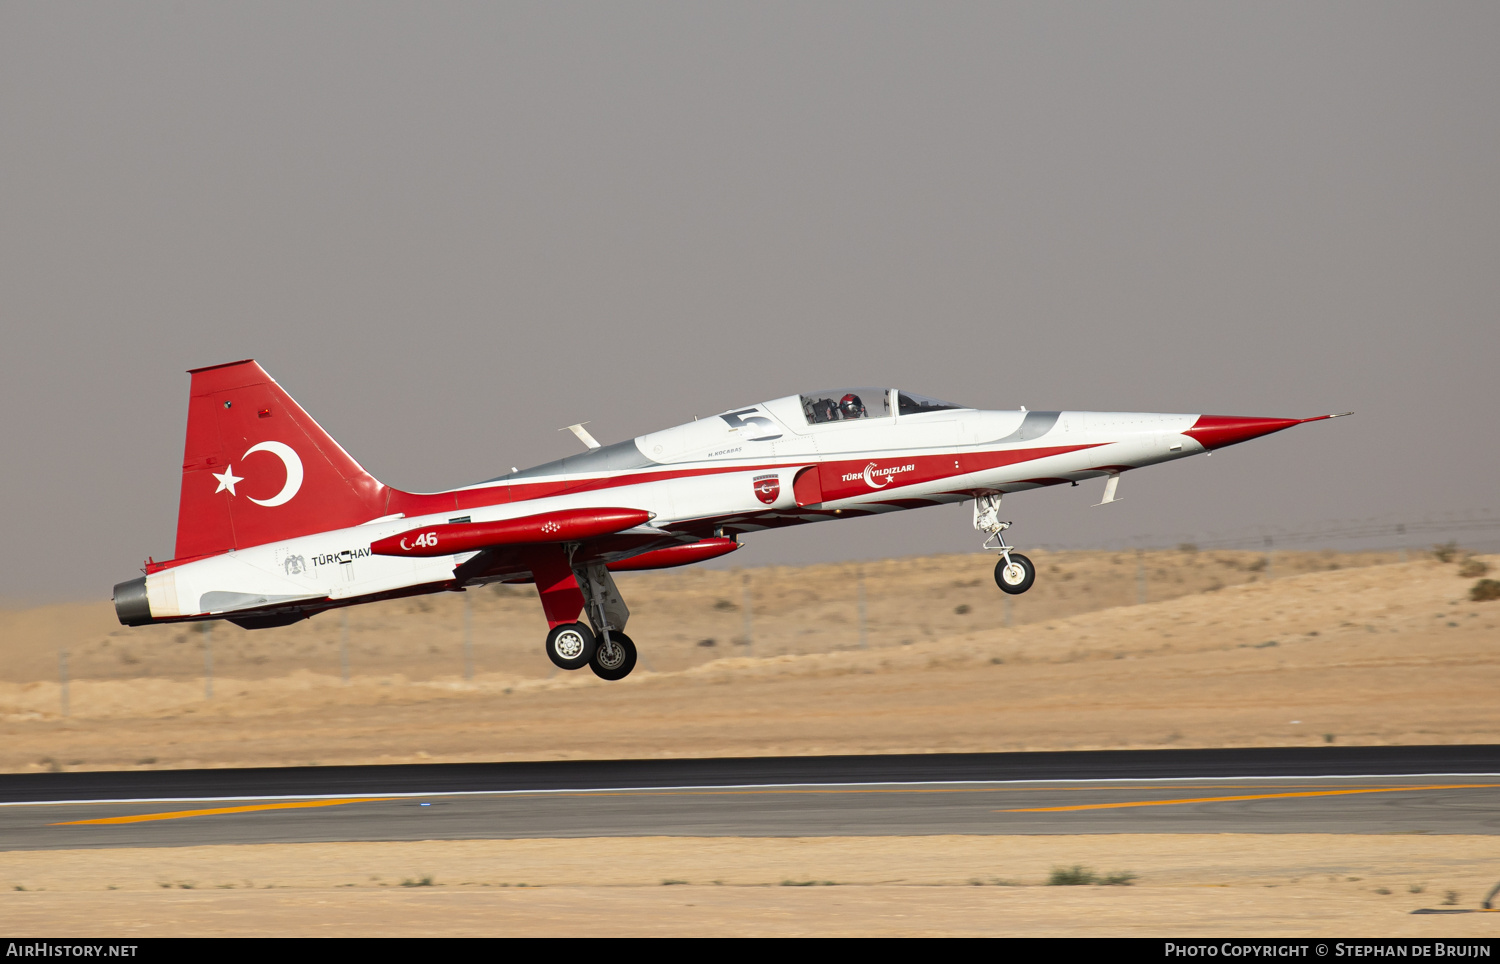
850 406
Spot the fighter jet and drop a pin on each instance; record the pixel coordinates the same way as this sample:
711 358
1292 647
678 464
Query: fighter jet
277 523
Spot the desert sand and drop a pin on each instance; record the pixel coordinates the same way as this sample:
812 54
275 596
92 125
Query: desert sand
1183 886
1226 651
1387 653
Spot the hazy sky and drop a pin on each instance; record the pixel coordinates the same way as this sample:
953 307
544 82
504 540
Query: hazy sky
449 229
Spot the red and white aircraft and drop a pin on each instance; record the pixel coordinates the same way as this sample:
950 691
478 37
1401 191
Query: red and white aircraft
277 522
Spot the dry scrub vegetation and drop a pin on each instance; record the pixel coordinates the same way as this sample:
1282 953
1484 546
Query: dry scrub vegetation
1345 648
1181 884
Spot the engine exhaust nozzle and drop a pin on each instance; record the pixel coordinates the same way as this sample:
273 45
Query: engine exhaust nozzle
131 603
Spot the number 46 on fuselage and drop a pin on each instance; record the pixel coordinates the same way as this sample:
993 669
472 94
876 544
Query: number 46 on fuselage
276 522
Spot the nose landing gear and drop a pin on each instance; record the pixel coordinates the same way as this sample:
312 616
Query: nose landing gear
1014 573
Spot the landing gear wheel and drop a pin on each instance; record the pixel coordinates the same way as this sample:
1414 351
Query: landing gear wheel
1017 577
615 659
571 645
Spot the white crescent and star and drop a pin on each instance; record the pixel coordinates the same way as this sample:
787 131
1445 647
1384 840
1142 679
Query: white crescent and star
289 459
227 480
870 481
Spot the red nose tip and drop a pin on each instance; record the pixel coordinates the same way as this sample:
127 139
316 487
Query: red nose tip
1217 431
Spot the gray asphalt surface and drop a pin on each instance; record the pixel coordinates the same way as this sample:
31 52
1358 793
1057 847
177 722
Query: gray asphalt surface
1036 767
1459 803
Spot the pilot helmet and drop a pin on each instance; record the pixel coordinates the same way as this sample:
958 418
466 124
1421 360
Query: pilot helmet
851 406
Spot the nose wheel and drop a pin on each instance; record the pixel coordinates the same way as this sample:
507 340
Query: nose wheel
1014 573
614 658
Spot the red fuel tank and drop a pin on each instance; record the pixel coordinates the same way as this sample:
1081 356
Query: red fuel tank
676 555
567 525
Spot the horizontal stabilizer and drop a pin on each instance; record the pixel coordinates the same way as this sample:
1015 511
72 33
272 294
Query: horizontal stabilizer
569 525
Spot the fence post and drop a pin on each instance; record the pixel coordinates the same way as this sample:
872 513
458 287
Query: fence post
468 639
749 620
1140 577
208 660
62 672
344 646
864 641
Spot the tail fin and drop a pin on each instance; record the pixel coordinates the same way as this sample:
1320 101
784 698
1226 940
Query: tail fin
257 468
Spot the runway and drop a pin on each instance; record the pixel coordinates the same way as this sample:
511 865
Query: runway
1447 789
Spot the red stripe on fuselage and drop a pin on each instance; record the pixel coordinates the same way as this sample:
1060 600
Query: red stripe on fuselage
926 469
888 469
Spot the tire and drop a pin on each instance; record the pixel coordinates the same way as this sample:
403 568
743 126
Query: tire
1017 577
571 645
618 661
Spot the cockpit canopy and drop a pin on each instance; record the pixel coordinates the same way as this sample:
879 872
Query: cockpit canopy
847 404
909 404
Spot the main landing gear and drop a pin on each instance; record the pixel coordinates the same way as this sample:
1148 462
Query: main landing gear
587 590
574 646
1014 573
571 645
615 658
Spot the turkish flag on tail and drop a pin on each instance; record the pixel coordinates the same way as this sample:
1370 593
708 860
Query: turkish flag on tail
257 468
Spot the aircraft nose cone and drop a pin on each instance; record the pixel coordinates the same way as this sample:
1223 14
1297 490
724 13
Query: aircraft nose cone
1217 431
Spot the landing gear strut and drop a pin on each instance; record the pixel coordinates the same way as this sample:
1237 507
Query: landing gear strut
569 591
614 657
1014 573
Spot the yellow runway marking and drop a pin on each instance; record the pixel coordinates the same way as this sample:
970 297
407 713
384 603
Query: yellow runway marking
788 791
827 791
180 814
1252 796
